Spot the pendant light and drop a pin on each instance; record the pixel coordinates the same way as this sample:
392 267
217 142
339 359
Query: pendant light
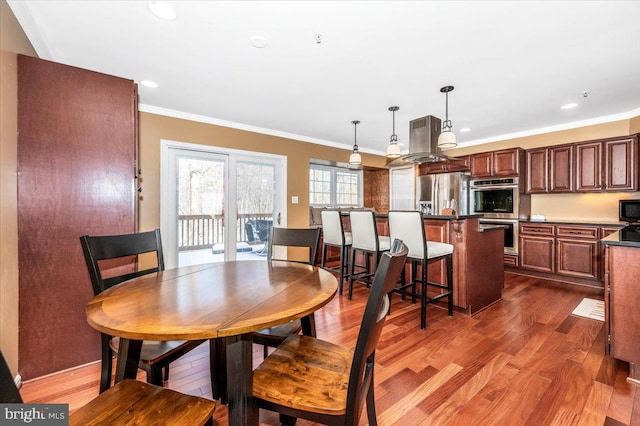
447 138
393 150
355 157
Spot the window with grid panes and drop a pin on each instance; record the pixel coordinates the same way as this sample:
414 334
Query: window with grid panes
334 186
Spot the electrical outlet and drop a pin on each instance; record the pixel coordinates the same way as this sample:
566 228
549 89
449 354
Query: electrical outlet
294 199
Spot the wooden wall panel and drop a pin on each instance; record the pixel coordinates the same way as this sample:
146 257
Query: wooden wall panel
76 176
376 189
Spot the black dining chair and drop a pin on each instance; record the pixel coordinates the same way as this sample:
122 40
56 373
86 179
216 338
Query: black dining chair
129 402
320 381
101 254
288 237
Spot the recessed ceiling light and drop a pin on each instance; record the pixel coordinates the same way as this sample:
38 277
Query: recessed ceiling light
258 41
465 129
569 106
149 83
162 10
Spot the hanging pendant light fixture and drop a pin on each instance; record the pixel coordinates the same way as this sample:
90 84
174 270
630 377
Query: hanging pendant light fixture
447 138
355 157
393 150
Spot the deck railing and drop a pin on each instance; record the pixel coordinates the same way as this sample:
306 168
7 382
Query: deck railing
201 231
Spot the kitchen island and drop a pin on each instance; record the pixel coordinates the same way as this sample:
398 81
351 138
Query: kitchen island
622 297
478 267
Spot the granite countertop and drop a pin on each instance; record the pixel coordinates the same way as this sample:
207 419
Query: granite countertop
578 222
628 236
441 217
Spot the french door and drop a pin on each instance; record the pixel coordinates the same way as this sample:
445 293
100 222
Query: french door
218 204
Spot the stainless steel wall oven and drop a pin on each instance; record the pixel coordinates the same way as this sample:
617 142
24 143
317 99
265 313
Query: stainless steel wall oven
501 203
496 198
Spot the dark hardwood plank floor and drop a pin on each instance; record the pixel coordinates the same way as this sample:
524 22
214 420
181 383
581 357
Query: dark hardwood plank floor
524 361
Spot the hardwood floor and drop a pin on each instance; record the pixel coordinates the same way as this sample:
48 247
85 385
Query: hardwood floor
524 361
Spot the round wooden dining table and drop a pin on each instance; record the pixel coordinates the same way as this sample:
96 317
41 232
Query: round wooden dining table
227 300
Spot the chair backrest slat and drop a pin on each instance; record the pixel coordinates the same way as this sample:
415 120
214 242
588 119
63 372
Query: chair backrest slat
293 237
102 248
375 312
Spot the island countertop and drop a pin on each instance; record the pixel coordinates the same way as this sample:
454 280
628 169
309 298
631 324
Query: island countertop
628 236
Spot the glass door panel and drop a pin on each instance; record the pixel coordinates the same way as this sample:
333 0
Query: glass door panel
201 209
255 203
218 205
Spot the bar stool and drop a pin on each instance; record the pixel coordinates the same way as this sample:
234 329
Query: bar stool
334 236
409 227
365 239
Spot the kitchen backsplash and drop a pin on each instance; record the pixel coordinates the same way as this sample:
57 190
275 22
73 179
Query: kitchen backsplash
597 207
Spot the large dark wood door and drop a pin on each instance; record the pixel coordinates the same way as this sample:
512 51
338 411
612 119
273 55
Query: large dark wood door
76 156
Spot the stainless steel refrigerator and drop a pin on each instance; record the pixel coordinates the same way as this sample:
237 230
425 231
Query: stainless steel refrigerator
444 190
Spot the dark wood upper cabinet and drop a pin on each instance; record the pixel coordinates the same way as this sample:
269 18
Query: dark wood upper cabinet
609 165
621 165
589 167
456 164
506 162
561 168
537 171
481 165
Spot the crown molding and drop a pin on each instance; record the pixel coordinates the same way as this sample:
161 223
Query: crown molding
566 126
247 127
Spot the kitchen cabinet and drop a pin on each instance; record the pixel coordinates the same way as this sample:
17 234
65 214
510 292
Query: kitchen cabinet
561 168
622 294
616 171
496 163
566 250
537 166
620 165
456 164
577 251
481 165
604 231
537 247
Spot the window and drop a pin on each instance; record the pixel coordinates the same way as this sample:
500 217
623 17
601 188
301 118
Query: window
334 186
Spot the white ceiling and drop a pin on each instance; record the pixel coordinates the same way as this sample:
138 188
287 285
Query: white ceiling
513 64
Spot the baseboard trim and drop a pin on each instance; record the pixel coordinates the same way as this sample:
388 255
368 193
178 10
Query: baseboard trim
18 381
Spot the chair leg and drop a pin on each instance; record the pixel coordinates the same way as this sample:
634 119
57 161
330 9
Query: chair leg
352 271
414 279
343 254
107 363
371 404
423 297
450 283
265 352
166 373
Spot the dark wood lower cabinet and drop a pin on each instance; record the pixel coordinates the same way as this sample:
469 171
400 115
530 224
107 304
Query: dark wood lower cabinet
536 253
622 294
576 258
569 251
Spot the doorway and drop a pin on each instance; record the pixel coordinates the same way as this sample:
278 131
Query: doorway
218 204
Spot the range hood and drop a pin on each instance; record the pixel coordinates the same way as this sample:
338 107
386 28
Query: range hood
423 143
